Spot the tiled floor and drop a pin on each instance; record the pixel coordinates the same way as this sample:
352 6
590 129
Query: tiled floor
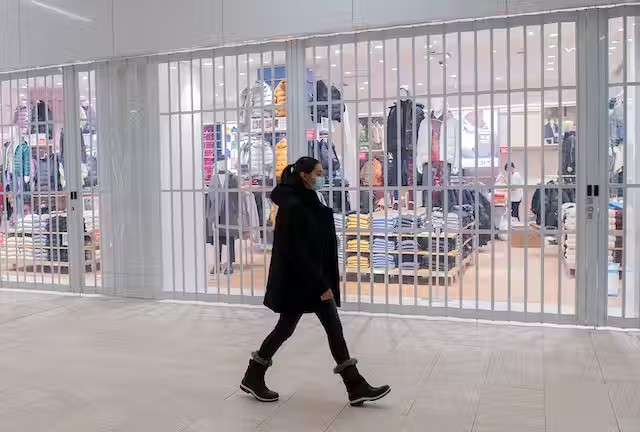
72 364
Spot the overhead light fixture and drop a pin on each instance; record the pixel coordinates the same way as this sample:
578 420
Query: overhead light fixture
420 84
531 33
394 69
553 46
221 84
498 78
381 61
550 63
251 60
454 76
365 83
61 11
621 29
21 95
569 49
378 47
553 35
551 56
612 48
495 51
318 57
243 73
629 40
220 66
550 69
334 65
337 51
615 42
361 88
348 73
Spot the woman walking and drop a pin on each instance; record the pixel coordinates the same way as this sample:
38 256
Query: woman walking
304 278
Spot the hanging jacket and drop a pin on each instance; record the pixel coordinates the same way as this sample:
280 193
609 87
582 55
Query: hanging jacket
253 101
22 160
569 154
218 202
46 174
322 95
304 259
281 157
407 133
256 158
280 98
40 113
326 156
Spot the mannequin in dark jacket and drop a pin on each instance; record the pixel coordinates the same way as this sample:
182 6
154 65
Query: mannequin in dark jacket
303 278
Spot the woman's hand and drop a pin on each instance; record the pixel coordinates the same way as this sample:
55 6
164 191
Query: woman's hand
328 295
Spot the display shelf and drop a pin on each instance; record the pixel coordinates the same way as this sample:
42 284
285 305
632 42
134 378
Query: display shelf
451 275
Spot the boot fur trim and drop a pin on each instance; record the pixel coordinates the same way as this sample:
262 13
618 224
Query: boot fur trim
345 364
256 358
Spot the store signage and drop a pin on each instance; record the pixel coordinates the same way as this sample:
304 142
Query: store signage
504 150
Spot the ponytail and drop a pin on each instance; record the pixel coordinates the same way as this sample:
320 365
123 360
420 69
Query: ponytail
291 173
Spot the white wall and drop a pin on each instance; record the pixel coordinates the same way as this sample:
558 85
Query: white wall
46 32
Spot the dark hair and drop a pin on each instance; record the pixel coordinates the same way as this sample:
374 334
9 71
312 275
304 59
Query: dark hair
291 174
506 166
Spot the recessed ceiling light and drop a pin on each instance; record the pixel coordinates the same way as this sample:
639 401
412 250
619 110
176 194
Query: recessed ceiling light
378 47
495 51
420 84
550 63
612 48
348 73
361 88
243 73
394 69
58 84
454 76
615 42
531 33
337 51
553 35
318 57
221 84
435 42
498 78
251 60
550 69
334 65
85 77
220 66
267 62
23 86
629 40
366 83
21 95
551 56
621 29
381 61
610 53
553 46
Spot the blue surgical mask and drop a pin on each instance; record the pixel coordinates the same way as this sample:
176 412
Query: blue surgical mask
318 184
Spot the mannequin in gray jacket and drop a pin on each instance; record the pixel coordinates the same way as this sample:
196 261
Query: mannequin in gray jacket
223 210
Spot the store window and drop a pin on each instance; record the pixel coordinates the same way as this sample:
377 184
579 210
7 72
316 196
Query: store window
223 128
450 163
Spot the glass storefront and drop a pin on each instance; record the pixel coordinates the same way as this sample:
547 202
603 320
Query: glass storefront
459 161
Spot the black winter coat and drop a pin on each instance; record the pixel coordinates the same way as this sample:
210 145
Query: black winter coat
304 260
408 131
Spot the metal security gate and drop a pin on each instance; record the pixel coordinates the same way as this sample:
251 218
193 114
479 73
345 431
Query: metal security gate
423 123
617 171
223 143
41 236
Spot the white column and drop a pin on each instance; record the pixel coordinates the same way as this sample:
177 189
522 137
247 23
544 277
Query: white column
129 176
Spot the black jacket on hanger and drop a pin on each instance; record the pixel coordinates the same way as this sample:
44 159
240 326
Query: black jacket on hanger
326 155
304 260
569 154
408 132
322 95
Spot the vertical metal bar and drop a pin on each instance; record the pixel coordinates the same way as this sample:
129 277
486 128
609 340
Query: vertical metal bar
429 166
476 241
227 176
193 165
182 236
203 185
216 190
544 156
493 173
414 176
369 191
386 167
561 231
444 174
509 96
343 236
625 94
459 193
526 168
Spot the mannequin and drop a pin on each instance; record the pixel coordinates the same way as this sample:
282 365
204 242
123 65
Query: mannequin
550 131
401 136
223 212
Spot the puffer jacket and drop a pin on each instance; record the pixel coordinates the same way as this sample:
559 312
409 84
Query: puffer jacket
259 97
280 98
281 157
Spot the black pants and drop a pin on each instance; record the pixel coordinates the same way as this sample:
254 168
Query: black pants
515 209
327 313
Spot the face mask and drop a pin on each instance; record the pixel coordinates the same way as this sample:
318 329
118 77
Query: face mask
318 184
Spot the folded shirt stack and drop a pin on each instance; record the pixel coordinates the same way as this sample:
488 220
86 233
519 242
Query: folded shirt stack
382 261
407 244
381 244
338 220
358 221
356 245
384 222
409 262
409 221
355 262
32 223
